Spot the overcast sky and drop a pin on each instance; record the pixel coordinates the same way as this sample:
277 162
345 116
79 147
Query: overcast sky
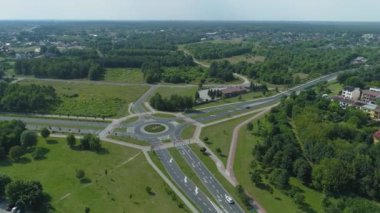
304 10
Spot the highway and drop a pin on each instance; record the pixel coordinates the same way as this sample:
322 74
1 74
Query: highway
188 187
208 180
218 112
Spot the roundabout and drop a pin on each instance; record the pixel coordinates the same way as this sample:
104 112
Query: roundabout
155 128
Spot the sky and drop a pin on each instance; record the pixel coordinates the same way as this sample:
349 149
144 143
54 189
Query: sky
260 10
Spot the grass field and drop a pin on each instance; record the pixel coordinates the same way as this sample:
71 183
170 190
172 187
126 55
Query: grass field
272 202
130 140
167 91
154 128
335 88
187 132
124 75
219 136
118 191
90 99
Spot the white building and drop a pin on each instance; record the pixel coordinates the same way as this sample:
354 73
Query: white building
351 93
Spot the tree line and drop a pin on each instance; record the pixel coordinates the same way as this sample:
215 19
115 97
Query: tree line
27 98
60 68
210 50
333 151
175 103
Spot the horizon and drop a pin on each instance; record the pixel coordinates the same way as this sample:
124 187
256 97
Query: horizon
194 10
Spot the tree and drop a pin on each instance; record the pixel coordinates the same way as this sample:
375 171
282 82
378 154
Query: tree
38 153
331 175
250 126
203 150
71 140
3 154
29 194
79 173
16 152
28 138
197 97
4 181
302 170
279 178
45 132
219 150
95 144
148 189
256 176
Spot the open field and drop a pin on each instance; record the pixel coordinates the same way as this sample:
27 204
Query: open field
335 87
104 193
167 91
124 75
130 140
91 99
272 202
188 132
219 136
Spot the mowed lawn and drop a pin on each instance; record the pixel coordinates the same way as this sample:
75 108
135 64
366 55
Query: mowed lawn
118 191
92 99
167 91
124 75
272 202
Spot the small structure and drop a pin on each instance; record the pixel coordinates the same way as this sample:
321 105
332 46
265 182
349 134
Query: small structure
376 137
234 91
352 93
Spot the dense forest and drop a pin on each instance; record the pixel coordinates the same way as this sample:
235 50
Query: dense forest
175 103
325 147
362 78
60 68
210 50
27 98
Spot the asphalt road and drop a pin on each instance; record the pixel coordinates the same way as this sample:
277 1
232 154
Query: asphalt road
138 106
218 112
188 187
211 183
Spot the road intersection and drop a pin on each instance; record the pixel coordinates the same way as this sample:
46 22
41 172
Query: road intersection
171 137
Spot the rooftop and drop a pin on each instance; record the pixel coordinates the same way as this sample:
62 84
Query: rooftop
377 135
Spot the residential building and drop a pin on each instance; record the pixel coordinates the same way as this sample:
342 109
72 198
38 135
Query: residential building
351 93
370 96
376 137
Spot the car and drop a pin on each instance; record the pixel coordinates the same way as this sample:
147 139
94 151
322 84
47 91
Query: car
229 199
247 107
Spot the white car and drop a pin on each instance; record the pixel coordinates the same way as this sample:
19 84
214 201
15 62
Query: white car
229 199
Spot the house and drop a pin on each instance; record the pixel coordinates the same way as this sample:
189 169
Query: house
346 102
376 136
233 91
370 96
351 93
